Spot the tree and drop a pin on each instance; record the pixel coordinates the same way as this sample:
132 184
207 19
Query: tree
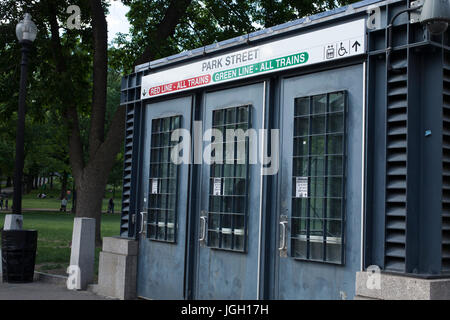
69 76
70 67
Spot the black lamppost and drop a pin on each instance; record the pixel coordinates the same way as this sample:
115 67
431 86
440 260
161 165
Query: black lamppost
26 32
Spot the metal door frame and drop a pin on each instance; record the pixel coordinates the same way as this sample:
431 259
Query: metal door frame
196 178
274 259
144 127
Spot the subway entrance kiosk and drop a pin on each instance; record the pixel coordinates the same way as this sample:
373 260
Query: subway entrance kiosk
286 163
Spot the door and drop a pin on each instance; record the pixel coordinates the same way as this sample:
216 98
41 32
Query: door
162 235
228 253
320 203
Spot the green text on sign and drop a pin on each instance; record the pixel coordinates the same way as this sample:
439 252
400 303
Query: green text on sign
265 66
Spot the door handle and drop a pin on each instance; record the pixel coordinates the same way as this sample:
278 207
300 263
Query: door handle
143 213
203 219
283 235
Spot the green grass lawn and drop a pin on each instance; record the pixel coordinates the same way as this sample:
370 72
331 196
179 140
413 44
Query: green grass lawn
55 235
31 201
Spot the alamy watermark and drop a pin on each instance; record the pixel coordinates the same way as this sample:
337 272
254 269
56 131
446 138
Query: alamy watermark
74 20
234 146
73 280
374 278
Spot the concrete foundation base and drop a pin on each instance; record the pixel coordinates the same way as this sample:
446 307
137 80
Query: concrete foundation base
118 268
396 287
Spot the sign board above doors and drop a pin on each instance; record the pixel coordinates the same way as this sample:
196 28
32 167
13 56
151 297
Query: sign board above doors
328 44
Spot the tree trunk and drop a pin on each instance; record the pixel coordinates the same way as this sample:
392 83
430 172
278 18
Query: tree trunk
29 183
51 182
89 200
8 182
64 184
91 177
74 200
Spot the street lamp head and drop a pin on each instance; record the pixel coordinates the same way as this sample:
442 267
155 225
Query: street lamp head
435 15
26 30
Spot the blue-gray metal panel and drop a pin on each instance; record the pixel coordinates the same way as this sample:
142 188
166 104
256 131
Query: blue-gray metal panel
161 266
426 67
312 280
376 162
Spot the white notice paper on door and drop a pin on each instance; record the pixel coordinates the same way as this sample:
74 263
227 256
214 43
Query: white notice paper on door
217 187
301 187
155 186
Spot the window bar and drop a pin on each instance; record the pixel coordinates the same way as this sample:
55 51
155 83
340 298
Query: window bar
160 212
308 211
247 175
159 197
149 211
322 199
324 204
177 172
167 183
158 174
232 197
222 175
235 164
344 148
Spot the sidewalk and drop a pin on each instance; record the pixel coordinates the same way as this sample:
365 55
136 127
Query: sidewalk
43 291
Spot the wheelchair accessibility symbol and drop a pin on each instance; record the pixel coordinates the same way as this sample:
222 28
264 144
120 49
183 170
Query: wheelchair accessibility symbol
342 50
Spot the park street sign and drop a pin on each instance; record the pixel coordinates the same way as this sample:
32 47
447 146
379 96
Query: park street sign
342 41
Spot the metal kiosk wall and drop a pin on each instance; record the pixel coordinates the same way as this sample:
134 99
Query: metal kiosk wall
302 225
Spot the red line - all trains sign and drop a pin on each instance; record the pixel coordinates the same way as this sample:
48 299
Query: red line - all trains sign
179 85
338 42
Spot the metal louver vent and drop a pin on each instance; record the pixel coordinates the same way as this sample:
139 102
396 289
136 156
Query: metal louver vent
396 162
446 168
128 152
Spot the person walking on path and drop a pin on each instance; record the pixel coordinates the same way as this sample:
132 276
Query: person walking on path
111 206
63 205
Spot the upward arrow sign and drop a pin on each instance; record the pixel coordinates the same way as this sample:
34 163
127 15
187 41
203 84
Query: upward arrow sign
356 45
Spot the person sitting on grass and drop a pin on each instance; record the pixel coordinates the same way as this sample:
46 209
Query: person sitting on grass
63 205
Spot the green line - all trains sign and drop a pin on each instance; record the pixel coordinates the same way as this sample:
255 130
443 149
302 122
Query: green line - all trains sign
342 41
265 66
